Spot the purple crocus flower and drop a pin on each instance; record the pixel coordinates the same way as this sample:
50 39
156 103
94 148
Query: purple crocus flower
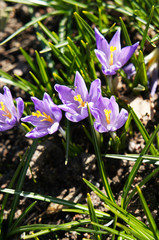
9 115
111 56
107 116
75 100
46 118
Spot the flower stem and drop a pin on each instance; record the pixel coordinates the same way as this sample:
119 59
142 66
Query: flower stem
63 132
100 161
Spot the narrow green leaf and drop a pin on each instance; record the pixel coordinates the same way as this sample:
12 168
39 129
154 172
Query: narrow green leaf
48 33
140 230
47 228
93 216
143 131
86 30
62 57
32 22
27 157
6 78
146 29
47 198
30 61
21 217
43 72
76 3
10 186
132 175
31 2
141 75
91 16
150 219
113 231
127 39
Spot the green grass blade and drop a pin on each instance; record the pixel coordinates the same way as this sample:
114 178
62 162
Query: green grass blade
31 2
8 79
47 228
132 175
93 216
141 231
150 219
30 62
87 31
7 195
27 158
62 57
113 231
31 23
127 39
141 75
143 131
76 3
43 72
21 217
146 29
48 33
49 199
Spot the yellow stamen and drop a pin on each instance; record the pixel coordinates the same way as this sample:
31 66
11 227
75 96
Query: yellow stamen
79 99
112 49
43 115
107 115
5 109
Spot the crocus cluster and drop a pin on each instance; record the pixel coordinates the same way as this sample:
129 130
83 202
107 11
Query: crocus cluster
104 110
75 101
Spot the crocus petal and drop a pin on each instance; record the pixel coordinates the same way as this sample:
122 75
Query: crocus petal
99 127
122 118
101 42
108 71
20 107
38 104
102 58
37 133
36 121
115 42
53 128
80 86
95 91
75 117
126 53
66 94
5 127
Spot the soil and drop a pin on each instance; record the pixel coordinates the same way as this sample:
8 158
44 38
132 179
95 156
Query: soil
49 174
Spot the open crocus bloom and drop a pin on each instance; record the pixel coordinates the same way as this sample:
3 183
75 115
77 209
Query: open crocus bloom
107 116
46 118
9 115
111 56
75 101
